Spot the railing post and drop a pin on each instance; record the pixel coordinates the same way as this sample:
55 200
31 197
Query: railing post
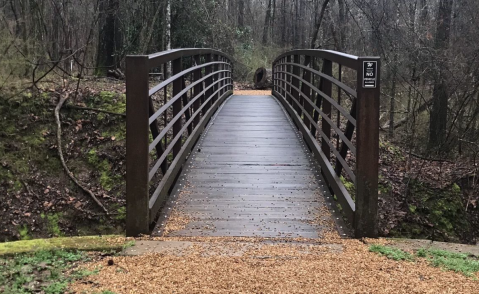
367 140
327 88
177 88
137 134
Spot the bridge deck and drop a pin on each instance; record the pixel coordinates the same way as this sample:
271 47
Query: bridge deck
249 175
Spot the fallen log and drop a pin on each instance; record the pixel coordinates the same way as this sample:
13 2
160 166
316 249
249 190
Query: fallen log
263 78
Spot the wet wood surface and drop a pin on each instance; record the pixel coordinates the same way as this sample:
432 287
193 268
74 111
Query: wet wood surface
249 175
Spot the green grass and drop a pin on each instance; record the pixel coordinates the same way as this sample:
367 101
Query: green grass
391 253
457 262
42 271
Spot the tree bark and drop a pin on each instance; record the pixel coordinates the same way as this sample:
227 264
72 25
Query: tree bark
106 43
241 14
314 37
438 117
267 23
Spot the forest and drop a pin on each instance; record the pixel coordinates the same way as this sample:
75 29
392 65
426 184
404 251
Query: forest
62 183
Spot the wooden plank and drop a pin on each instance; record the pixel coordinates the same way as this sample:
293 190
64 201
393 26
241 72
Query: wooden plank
250 174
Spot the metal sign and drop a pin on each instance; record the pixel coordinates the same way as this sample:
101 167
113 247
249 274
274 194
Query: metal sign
370 70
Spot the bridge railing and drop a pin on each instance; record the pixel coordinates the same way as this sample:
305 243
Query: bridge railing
339 121
165 120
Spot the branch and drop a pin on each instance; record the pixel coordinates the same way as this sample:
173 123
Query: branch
60 153
95 109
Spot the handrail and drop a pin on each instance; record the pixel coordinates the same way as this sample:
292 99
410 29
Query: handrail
313 100
347 89
189 99
348 60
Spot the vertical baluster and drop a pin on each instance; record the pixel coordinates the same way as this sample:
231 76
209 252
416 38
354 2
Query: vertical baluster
208 82
314 96
274 77
197 75
155 131
216 77
349 135
231 75
165 100
295 82
220 76
307 91
285 77
326 88
177 88
185 101
338 118
289 69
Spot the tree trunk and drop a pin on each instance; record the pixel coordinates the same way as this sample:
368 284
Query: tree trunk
438 117
106 42
267 22
241 14
283 26
342 26
263 78
314 37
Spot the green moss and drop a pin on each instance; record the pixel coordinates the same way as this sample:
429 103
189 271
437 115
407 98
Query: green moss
121 213
49 267
109 101
456 188
350 187
117 132
107 181
86 243
24 233
412 208
441 207
384 189
392 149
53 223
340 208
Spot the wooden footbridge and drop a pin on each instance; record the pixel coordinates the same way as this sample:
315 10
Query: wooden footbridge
280 165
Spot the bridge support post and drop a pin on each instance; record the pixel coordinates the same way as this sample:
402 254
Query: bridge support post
137 114
367 159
